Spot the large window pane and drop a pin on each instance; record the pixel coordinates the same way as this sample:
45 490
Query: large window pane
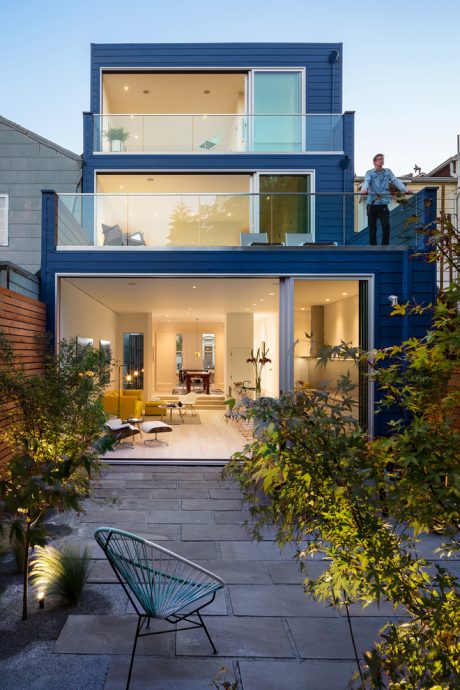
277 108
288 212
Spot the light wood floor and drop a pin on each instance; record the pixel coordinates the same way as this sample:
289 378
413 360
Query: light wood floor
213 439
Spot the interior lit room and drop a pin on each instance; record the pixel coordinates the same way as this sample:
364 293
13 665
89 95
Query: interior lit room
161 330
326 312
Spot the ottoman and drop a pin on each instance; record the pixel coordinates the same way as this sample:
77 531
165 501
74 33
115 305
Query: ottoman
154 428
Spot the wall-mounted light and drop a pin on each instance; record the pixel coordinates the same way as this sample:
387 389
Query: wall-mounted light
393 300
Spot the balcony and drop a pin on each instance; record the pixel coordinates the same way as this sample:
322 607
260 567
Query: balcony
217 133
156 221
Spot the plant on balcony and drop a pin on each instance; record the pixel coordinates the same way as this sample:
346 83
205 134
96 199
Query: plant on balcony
117 136
54 433
362 504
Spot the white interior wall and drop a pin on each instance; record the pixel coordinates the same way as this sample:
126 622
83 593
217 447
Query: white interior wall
81 315
341 321
239 336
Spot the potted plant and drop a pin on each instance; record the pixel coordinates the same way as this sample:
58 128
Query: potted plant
259 359
117 136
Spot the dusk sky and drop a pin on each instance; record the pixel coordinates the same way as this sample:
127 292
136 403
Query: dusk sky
401 61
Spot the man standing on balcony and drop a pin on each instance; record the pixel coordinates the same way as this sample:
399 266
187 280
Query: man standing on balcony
376 187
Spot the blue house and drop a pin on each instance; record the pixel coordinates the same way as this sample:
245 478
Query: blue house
217 215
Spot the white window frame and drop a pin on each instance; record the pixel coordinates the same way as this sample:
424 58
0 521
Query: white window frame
4 234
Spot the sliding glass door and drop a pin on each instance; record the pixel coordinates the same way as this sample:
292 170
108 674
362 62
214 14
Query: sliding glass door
284 205
277 108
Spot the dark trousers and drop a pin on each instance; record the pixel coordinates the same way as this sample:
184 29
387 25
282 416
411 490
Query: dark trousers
375 212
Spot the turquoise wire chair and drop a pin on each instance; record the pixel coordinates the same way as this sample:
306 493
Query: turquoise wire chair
158 582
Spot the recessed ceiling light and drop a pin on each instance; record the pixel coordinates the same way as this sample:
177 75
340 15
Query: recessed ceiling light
121 186
132 283
261 299
327 299
344 294
146 91
206 91
193 287
126 88
254 304
271 294
150 179
302 308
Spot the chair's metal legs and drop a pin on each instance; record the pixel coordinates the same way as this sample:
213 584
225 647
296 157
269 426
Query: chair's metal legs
207 633
138 629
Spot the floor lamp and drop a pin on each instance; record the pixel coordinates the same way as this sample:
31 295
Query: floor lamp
120 367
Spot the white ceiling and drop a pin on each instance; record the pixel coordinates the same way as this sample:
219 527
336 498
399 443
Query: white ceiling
154 183
186 299
173 92
176 299
323 292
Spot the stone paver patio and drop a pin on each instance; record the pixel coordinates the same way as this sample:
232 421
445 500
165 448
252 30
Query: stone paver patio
269 634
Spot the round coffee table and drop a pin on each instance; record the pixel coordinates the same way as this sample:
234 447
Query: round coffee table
171 407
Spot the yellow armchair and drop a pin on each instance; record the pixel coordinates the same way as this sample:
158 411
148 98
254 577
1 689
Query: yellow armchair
130 405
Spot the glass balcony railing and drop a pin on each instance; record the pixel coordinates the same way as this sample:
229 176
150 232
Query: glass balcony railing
226 220
233 133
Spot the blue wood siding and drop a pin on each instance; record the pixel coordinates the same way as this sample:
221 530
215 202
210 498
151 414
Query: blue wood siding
324 80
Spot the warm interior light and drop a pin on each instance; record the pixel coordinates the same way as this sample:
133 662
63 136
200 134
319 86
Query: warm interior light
136 373
129 378
126 88
327 299
302 308
344 294
271 294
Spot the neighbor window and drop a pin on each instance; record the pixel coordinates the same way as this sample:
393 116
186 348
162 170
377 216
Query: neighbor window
208 350
4 220
179 351
133 360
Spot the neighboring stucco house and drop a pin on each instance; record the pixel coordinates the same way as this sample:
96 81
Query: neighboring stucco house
29 163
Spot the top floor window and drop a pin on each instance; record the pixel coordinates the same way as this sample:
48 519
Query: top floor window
257 110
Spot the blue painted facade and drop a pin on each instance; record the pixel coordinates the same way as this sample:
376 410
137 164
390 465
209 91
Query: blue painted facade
393 270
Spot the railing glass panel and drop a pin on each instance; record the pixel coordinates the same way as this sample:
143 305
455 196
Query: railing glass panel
228 220
231 133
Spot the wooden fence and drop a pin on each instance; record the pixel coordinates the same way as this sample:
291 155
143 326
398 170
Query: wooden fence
21 319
